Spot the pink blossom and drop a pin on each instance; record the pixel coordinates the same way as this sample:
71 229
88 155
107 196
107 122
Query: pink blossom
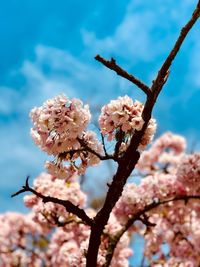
58 123
152 188
167 150
60 171
49 186
16 235
69 245
125 115
68 164
189 171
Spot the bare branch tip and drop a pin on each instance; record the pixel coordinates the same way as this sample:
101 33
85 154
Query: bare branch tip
97 57
25 188
13 195
113 60
18 192
27 181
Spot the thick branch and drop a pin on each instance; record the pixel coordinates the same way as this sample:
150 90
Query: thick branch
111 64
114 240
70 207
128 161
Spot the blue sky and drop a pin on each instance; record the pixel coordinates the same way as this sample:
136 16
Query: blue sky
47 47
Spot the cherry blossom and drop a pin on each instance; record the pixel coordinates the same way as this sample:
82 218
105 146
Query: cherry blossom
47 214
166 151
188 171
124 114
18 234
58 123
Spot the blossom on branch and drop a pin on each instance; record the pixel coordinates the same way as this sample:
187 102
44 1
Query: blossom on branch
21 241
125 115
58 123
48 214
189 172
153 188
59 128
166 151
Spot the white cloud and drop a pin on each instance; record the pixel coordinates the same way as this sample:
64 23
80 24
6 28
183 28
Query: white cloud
128 41
69 75
140 36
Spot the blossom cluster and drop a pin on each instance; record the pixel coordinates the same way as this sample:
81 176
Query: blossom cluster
189 172
125 115
58 123
176 226
166 151
18 233
152 189
59 128
48 214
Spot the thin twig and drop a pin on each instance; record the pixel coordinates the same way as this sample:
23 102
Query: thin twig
89 149
70 207
103 143
111 64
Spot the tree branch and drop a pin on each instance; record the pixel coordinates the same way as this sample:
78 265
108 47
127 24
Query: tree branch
128 161
70 207
138 216
111 64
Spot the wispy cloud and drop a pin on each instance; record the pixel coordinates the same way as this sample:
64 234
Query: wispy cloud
144 31
55 71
